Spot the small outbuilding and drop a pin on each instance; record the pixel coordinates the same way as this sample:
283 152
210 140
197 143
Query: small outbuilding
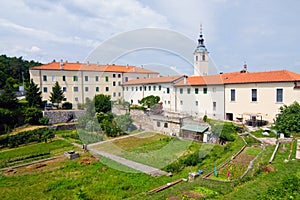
194 132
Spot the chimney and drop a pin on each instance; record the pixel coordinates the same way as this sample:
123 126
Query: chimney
126 66
245 67
185 80
61 65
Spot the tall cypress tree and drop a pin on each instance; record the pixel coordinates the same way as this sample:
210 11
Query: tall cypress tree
33 94
57 94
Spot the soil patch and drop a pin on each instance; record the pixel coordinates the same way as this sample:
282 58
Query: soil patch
88 160
268 168
193 194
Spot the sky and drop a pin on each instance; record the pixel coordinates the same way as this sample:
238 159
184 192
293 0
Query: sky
262 33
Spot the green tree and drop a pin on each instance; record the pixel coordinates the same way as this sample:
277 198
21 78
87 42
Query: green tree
8 98
57 94
33 94
149 101
124 121
288 119
102 103
33 115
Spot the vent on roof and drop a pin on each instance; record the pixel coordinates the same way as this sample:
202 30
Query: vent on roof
61 64
221 72
77 61
244 70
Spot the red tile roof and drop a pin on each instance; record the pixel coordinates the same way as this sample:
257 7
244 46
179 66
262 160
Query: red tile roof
238 77
163 79
93 67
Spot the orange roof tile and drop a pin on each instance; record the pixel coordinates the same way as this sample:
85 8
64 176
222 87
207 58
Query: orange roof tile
163 79
93 67
238 77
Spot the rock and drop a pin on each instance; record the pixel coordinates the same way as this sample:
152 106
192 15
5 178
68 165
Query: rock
266 134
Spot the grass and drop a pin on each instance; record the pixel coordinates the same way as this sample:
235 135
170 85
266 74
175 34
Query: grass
252 151
32 152
259 134
69 135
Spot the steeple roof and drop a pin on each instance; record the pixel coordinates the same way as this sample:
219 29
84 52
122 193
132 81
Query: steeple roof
200 47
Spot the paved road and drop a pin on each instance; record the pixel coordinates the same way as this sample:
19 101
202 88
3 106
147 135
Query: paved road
137 166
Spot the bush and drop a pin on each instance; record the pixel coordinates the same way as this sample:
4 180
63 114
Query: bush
80 106
32 116
67 105
44 120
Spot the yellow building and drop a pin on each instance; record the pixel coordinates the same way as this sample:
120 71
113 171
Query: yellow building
80 81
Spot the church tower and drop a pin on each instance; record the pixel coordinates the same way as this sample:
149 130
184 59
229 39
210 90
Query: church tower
201 57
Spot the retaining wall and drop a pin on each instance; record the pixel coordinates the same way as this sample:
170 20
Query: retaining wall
62 116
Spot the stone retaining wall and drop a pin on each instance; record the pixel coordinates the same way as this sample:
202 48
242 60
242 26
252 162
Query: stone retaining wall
62 116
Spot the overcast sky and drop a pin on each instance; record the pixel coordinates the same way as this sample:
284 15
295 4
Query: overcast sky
262 33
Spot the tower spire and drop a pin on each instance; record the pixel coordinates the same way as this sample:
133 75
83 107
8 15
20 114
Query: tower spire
201 40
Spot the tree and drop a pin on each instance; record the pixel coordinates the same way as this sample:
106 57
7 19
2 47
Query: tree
149 101
57 95
33 94
8 98
33 115
102 103
288 119
124 121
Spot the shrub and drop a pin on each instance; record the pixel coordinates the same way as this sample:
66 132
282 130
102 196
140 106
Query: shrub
44 120
32 116
67 105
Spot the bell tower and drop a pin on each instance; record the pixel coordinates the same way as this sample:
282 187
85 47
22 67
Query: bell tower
201 57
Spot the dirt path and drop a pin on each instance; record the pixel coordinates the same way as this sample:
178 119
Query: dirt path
129 163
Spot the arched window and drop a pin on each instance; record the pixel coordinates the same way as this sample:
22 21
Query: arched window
203 57
196 58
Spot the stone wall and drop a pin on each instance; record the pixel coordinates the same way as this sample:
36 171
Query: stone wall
62 116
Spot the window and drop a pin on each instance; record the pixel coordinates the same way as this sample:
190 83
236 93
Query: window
126 79
159 87
97 89
141 88
137 77
189 90
64 89
154 88
181 90
214 106
76 98
114 75
86 89
132 88
169 102
44 78
64 99
136 88
75 89
149 87
158 124
106 78
214 90
203 57
119 83
168 90
75 78
131 101
279 95
232 95
119 75
196 58
45 89
196 90
166 125
254 95
106 89
196 103
97 78
119 94
145 88
126 88
114 83
204 90
114 94
86 78
181 102
64 78
53 78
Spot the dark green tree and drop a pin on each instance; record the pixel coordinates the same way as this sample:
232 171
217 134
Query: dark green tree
33 94
8 98
57 94
124 121
102 103
149 101
33 115
288 119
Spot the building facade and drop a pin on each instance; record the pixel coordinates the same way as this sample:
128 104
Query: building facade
81 81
